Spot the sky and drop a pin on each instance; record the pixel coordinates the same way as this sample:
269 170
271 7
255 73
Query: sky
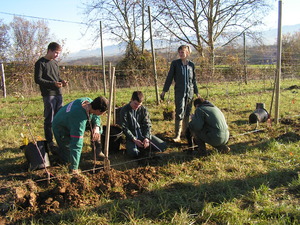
71 12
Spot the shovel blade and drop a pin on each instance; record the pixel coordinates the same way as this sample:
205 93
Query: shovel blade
106 165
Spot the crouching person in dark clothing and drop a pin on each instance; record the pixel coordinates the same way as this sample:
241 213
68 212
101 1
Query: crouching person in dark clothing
208 125
136 125
71 122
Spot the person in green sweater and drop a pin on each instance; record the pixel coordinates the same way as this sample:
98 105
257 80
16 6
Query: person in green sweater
70 123
47 76
208 125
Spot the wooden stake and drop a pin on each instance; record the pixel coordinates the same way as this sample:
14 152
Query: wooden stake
107 131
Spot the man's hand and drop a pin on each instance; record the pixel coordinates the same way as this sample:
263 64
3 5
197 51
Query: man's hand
64 83
146 143
96 134
138 143
58 84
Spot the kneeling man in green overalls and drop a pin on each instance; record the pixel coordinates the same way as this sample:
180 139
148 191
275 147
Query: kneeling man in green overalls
70 123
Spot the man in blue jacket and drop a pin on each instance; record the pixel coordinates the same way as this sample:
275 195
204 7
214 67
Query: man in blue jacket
208 125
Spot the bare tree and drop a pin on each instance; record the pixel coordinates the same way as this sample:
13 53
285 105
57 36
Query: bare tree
290 52
29 40
205 23
124 20
4 41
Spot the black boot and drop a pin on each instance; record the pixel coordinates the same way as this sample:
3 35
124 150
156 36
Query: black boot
223 149
190 140
202 148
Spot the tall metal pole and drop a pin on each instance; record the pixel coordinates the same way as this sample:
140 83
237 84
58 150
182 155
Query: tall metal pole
3 80
278 66
153 57
103 62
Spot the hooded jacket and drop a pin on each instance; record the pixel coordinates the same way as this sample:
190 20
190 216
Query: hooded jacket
209 124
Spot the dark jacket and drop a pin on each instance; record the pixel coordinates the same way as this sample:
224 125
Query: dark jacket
182 86
131 123
46 73
209 125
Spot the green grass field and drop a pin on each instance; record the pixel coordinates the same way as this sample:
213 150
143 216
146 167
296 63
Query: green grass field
256 183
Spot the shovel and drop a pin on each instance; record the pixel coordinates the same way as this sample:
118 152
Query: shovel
107 131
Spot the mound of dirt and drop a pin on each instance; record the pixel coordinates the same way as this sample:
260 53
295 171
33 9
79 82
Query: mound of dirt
79 190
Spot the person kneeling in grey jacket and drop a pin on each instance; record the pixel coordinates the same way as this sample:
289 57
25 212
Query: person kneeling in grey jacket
136 125
208 125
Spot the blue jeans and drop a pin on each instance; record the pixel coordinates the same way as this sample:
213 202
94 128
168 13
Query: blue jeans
51 106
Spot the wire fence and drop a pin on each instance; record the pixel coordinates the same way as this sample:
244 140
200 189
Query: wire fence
90 78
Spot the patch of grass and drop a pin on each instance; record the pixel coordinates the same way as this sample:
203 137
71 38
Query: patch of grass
256 183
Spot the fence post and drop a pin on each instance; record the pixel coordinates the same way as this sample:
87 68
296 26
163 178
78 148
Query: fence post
103 61
3 80
278 66
153 57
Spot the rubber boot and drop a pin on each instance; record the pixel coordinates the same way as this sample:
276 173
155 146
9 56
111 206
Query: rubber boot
97 145
178 129
185 125
190 140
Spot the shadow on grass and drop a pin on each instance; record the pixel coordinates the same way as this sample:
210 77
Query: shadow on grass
288 137
12 165
240 122
192 197
239 148
166 202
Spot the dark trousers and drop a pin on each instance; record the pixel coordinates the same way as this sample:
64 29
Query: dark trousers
156 145
51 106
192 140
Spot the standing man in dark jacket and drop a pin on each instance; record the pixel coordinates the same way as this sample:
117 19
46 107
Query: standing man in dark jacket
182 71
46 75
136 125
208 125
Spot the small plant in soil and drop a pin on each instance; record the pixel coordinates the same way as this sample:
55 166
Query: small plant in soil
169 112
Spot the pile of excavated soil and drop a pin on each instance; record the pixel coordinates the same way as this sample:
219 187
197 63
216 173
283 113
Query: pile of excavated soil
77 191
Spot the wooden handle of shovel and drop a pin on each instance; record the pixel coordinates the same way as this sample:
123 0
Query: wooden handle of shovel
107 131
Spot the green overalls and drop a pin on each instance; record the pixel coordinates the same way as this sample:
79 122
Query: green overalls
69 125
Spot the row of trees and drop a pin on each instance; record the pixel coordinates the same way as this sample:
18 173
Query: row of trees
23 41
203 24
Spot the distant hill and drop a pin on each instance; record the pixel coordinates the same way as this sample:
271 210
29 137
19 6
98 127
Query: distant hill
110 50
86 56
270 36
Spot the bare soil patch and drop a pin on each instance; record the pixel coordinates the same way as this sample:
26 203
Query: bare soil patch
69 191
